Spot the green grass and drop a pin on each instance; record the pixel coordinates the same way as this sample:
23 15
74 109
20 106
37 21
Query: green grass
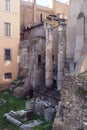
11 104
15 104
44 126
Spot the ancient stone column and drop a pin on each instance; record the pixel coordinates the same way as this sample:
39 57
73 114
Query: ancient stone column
61 52
49 62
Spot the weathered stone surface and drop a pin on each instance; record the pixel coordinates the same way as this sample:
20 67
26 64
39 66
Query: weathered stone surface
49 114
49 62
72 110
11 87
12 120
25 90
30 125
25 115
60 126
19 92
30 106
39 108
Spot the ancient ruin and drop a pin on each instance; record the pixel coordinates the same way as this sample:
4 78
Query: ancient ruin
56 61
53 64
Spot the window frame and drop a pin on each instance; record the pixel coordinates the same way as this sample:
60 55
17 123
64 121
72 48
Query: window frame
8 75
7 29
7 5
6 57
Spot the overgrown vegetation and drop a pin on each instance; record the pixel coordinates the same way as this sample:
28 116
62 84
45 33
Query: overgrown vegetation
15 104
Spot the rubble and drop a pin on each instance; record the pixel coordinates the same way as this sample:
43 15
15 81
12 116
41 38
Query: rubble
12 119
30 125
72 110
49 114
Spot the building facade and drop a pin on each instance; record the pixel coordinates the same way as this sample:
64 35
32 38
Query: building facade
32 13
9 39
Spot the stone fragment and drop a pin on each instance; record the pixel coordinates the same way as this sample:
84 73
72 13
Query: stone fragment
30 105
12 120
12 113
23 92
49 114
25 115
39 108
30 125
11 87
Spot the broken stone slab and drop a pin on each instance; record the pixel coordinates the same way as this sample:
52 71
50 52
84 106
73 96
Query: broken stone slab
21 113
30 105
49 114
39 108
12 113
12 120
30 125
25 115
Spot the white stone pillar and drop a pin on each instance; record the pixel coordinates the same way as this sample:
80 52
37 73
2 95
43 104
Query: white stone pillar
49 62
61 52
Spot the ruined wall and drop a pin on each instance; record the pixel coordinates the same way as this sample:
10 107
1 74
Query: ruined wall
23 52
34 44
37 62
72 111
34 32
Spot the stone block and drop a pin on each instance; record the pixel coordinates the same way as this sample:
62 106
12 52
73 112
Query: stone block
30 106
30 125
49 114
25 115
39 108
12 119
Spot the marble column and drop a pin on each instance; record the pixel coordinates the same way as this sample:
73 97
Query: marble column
61 52
49 62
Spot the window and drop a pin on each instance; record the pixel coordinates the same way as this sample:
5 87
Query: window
41 18
8 75
7 5
7 54
39 60
53 57
7 29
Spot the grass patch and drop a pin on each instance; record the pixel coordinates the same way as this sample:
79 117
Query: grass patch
16 104
44 126
12 103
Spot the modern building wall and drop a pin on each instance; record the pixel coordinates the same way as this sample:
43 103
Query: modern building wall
30 12
76 46
11 16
